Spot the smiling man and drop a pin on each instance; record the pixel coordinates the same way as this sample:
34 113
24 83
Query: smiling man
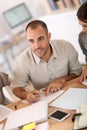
45 64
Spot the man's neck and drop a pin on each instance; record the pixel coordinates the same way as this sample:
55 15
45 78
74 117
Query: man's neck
47 57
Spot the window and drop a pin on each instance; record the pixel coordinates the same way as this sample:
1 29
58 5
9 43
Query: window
17 15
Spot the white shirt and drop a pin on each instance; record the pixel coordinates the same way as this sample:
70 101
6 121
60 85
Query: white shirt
30 68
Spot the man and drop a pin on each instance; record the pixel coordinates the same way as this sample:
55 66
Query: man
4 80
82 18
46 64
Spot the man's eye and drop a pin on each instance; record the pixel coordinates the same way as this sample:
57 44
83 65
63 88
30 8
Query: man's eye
30 41
41 38
85 26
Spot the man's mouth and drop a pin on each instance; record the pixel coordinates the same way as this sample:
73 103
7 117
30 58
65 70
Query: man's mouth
39 50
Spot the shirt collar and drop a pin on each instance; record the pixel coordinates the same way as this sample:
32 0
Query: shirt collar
54 54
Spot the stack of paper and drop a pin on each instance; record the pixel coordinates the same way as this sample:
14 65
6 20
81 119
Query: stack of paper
37 112
33 125
42 126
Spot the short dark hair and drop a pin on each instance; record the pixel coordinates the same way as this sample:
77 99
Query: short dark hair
35 23
82 12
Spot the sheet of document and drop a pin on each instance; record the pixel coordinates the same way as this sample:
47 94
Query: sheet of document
73 98
50 97
37 112
1 126
42 126
85 82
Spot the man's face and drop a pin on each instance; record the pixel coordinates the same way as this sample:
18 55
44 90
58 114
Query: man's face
84 26
38 41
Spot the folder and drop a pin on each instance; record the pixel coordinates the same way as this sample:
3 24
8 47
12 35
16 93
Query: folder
37 112
71 99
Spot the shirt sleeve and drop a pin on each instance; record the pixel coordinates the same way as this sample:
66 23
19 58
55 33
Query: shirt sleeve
74 64
20 75
83 41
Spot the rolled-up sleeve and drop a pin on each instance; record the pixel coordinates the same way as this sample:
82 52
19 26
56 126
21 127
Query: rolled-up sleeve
74 64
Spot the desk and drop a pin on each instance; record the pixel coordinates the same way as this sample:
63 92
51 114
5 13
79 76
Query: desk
54 125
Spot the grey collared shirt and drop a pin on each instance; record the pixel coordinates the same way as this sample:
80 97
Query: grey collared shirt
29 68
83 43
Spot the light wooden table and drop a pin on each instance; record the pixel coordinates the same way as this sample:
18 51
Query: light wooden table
54 125
66 124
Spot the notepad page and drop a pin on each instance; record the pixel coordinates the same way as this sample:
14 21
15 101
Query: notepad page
51 96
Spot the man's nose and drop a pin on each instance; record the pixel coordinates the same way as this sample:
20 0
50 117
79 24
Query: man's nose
37 44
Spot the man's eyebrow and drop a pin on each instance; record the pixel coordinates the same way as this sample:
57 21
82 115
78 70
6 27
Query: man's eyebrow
85 25
40 36
30 39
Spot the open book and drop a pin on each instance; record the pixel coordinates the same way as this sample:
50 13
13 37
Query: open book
81 120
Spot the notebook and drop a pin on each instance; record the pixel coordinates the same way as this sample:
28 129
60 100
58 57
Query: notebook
37 112
81 121
71 99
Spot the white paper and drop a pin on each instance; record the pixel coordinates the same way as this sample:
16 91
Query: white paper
37 112
84 82
79 122
4 112
1 126
51 96
73 98
42 126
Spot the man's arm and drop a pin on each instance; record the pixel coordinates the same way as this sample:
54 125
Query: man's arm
58 83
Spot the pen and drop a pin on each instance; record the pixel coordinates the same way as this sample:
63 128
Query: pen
15 107
76 115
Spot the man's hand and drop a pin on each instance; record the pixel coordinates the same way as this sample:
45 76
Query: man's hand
32 96
55 86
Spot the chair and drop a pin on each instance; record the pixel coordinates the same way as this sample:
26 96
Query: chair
8 94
